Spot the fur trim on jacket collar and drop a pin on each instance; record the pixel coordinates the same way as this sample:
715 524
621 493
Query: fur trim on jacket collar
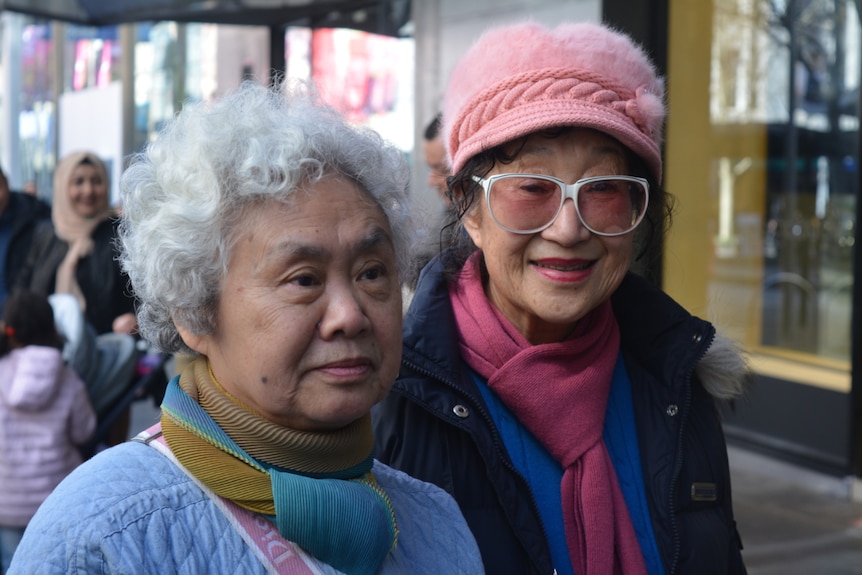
724 369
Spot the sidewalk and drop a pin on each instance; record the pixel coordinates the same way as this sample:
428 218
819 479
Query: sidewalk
794 521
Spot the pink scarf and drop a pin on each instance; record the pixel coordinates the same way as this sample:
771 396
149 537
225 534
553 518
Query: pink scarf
559 392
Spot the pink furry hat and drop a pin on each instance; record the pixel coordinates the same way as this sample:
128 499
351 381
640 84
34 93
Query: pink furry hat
519 79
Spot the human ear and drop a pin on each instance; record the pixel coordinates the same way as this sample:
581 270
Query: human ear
195 341
471 222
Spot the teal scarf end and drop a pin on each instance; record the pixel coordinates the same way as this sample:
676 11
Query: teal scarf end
349 525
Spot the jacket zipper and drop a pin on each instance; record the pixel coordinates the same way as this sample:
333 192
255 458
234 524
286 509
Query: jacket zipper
498 444
677 469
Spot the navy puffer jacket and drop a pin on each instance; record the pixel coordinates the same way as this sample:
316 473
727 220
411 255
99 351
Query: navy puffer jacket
435 426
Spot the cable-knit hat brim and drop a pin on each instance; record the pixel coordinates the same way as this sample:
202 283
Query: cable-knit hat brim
521 79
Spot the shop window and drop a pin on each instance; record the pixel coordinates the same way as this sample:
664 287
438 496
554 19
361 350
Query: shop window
766 161
36 111
368 77
93 57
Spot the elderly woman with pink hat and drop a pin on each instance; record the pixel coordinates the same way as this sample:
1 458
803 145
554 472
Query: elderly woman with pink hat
568 405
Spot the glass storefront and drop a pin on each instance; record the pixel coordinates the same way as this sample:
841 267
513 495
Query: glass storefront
160 85
92 57
366 76
36 114
54 60
762 154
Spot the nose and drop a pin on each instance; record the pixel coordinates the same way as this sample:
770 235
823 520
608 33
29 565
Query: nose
567 229
88 188
344 314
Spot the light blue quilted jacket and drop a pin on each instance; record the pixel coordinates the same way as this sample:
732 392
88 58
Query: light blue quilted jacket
130 510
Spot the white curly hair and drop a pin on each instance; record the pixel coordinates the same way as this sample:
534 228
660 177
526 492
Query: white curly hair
183 197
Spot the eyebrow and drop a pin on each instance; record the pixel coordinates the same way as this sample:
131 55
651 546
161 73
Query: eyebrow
376 236
372 240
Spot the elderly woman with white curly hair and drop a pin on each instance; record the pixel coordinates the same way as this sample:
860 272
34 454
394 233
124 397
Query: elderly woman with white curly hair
267 237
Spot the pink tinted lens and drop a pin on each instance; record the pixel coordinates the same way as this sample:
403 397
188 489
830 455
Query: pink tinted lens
611 206
524 203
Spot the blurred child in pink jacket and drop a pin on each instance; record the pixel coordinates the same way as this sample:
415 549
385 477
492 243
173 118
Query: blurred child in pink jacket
44 414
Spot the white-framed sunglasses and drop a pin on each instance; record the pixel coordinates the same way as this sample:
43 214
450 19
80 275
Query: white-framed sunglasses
530 203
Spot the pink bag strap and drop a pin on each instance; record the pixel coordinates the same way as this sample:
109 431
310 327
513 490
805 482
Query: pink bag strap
278 555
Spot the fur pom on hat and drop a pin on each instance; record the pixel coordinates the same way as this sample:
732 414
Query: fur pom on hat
519 79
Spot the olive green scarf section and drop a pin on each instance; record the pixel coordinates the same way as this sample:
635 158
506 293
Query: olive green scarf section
313 454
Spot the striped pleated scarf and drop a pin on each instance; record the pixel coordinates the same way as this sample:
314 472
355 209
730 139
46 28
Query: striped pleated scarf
316 487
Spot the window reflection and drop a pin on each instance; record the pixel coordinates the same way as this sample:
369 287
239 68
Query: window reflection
784 223
36 115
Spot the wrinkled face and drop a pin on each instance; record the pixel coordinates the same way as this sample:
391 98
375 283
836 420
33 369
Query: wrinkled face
308 331
438 168
545 282
88 191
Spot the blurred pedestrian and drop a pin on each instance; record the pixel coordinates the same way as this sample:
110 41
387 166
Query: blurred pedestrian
19 214
435 228
434 152
76 253
44 415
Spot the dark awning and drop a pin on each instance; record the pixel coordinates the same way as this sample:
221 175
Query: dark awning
379 16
